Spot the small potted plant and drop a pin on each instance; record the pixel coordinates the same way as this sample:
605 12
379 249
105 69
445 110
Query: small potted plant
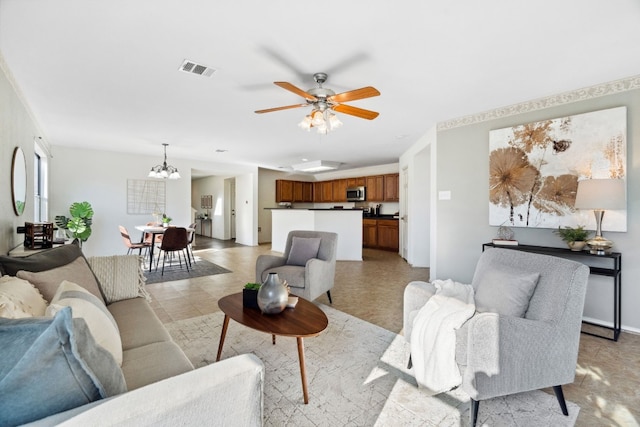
576 238
250 295
166 220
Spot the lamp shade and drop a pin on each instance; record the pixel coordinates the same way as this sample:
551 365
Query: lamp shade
601 194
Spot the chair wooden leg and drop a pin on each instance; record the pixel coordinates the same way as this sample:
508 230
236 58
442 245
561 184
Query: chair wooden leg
473 415
557 389
329 296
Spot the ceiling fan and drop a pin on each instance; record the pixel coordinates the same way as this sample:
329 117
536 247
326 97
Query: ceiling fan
322 100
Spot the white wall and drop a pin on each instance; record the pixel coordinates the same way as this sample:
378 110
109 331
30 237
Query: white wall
247 209
100 177
214 186
17 129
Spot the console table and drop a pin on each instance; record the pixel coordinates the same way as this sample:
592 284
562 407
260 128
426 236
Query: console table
614 271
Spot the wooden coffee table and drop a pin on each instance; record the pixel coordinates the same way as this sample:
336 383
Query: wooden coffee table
305 320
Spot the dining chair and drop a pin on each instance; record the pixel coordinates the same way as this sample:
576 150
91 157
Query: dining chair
191 233
131 246
174 241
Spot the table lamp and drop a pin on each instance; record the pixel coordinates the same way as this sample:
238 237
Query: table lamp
599 195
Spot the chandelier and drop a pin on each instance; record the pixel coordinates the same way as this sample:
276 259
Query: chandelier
164 170
320 118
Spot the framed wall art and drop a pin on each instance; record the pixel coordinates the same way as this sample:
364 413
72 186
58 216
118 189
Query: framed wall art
534 168
146 197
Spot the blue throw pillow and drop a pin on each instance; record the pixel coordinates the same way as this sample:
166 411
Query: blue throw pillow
52 365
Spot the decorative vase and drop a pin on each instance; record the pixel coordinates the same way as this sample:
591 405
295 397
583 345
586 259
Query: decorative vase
272 295
577 246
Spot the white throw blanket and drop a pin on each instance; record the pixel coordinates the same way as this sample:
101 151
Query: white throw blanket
433 338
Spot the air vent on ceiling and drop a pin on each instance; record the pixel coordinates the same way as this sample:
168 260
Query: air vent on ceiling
195 68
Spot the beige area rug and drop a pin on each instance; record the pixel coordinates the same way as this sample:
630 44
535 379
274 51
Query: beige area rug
357 376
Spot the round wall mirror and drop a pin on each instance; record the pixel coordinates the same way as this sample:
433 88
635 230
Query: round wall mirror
19 181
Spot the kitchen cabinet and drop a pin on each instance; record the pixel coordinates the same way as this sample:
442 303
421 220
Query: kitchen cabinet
356 182
375 188
323 191
381 234
392 187
284 190
303 191
388 235
369 233
339 190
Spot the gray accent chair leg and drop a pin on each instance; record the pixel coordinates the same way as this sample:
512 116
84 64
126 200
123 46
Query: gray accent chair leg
473 414
329 296
557 389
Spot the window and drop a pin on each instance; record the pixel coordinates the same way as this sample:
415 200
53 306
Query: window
41 184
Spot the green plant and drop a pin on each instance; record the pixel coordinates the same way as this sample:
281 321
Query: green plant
166 219
79 224
570 234
252 286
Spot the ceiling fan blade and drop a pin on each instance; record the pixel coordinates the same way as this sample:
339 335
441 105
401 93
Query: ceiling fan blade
355 111
352 95
296 90
269 110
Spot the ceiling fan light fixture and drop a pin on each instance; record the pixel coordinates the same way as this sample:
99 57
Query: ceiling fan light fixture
316 166
305 123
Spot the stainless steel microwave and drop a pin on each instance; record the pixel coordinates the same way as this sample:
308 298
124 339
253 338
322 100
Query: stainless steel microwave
356 194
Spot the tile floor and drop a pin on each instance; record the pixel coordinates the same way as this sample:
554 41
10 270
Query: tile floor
607 376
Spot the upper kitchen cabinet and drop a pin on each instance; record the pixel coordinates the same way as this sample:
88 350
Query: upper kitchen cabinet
392 187
375 188
339 188
303 191
323 191
356 182
284 191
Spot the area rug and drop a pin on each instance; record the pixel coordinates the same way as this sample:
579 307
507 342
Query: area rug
199 268
357 376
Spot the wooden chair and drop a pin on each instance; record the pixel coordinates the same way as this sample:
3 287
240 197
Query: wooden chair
175 240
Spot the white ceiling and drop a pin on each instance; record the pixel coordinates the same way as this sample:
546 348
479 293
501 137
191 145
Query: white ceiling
104 74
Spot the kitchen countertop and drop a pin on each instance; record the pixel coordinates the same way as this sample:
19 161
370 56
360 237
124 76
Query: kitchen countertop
364 215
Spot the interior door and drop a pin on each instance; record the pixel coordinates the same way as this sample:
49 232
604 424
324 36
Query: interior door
403 212
232 205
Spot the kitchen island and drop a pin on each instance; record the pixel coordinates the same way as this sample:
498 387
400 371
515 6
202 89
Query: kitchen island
347 223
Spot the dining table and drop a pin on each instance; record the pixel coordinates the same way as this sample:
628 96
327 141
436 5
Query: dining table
155 230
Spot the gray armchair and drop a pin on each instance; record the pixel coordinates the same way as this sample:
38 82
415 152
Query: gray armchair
498 354
306 278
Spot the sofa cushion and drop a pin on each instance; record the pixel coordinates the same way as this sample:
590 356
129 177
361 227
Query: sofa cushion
505 291
154 362
85 305
293 274
77 271
18 298
137 322
49 365
303 249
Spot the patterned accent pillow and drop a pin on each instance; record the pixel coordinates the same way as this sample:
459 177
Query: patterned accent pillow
19 298
85 305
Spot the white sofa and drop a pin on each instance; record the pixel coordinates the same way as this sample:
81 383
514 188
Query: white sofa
162 386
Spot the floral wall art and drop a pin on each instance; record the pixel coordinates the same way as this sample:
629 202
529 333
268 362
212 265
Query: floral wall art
534 169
